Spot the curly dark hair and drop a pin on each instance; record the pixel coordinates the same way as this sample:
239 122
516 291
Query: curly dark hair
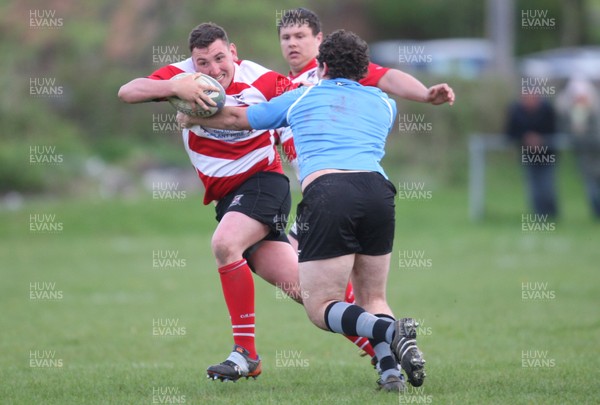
300 16
346 55
205 34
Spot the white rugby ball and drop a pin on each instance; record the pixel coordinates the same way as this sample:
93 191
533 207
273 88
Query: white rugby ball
187 107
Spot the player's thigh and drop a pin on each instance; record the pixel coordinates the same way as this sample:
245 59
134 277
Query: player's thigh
369 277
322 282
259 207
277 263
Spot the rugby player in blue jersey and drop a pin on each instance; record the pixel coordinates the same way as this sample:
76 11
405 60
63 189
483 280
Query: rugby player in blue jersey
340 129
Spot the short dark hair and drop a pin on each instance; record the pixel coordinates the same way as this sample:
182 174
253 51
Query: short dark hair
300 16
205 34
346 55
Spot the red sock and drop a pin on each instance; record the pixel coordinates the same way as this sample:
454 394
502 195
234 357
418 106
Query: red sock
349 297
238 290
362 342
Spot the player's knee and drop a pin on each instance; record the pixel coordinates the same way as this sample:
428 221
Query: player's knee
225 251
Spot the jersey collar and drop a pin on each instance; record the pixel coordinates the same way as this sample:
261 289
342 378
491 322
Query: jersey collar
310 65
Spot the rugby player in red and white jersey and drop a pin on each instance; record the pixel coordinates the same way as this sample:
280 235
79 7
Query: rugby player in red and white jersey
299 37
242 174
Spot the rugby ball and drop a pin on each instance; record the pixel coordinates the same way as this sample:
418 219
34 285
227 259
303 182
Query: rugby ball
187 108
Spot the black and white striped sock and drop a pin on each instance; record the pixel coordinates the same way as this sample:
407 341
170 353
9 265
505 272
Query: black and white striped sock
387 364
352 320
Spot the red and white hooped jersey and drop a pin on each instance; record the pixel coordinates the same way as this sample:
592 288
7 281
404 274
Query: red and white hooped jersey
309 75
224 159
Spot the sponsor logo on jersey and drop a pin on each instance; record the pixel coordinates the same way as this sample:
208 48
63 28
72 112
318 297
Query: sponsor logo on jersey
226 134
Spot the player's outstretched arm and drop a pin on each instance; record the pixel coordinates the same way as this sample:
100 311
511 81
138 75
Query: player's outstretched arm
143 89
408 87
227 118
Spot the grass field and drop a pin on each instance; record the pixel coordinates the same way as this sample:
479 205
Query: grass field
88 316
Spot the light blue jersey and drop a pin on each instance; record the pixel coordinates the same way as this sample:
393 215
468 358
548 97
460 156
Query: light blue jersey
337 124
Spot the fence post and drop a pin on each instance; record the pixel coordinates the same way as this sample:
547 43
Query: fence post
476 177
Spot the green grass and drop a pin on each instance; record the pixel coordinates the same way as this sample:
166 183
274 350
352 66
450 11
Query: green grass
475 323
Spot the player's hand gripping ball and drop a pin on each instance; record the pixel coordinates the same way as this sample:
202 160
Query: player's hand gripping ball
187 107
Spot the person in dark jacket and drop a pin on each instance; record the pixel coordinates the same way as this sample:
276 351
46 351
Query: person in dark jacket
531 125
